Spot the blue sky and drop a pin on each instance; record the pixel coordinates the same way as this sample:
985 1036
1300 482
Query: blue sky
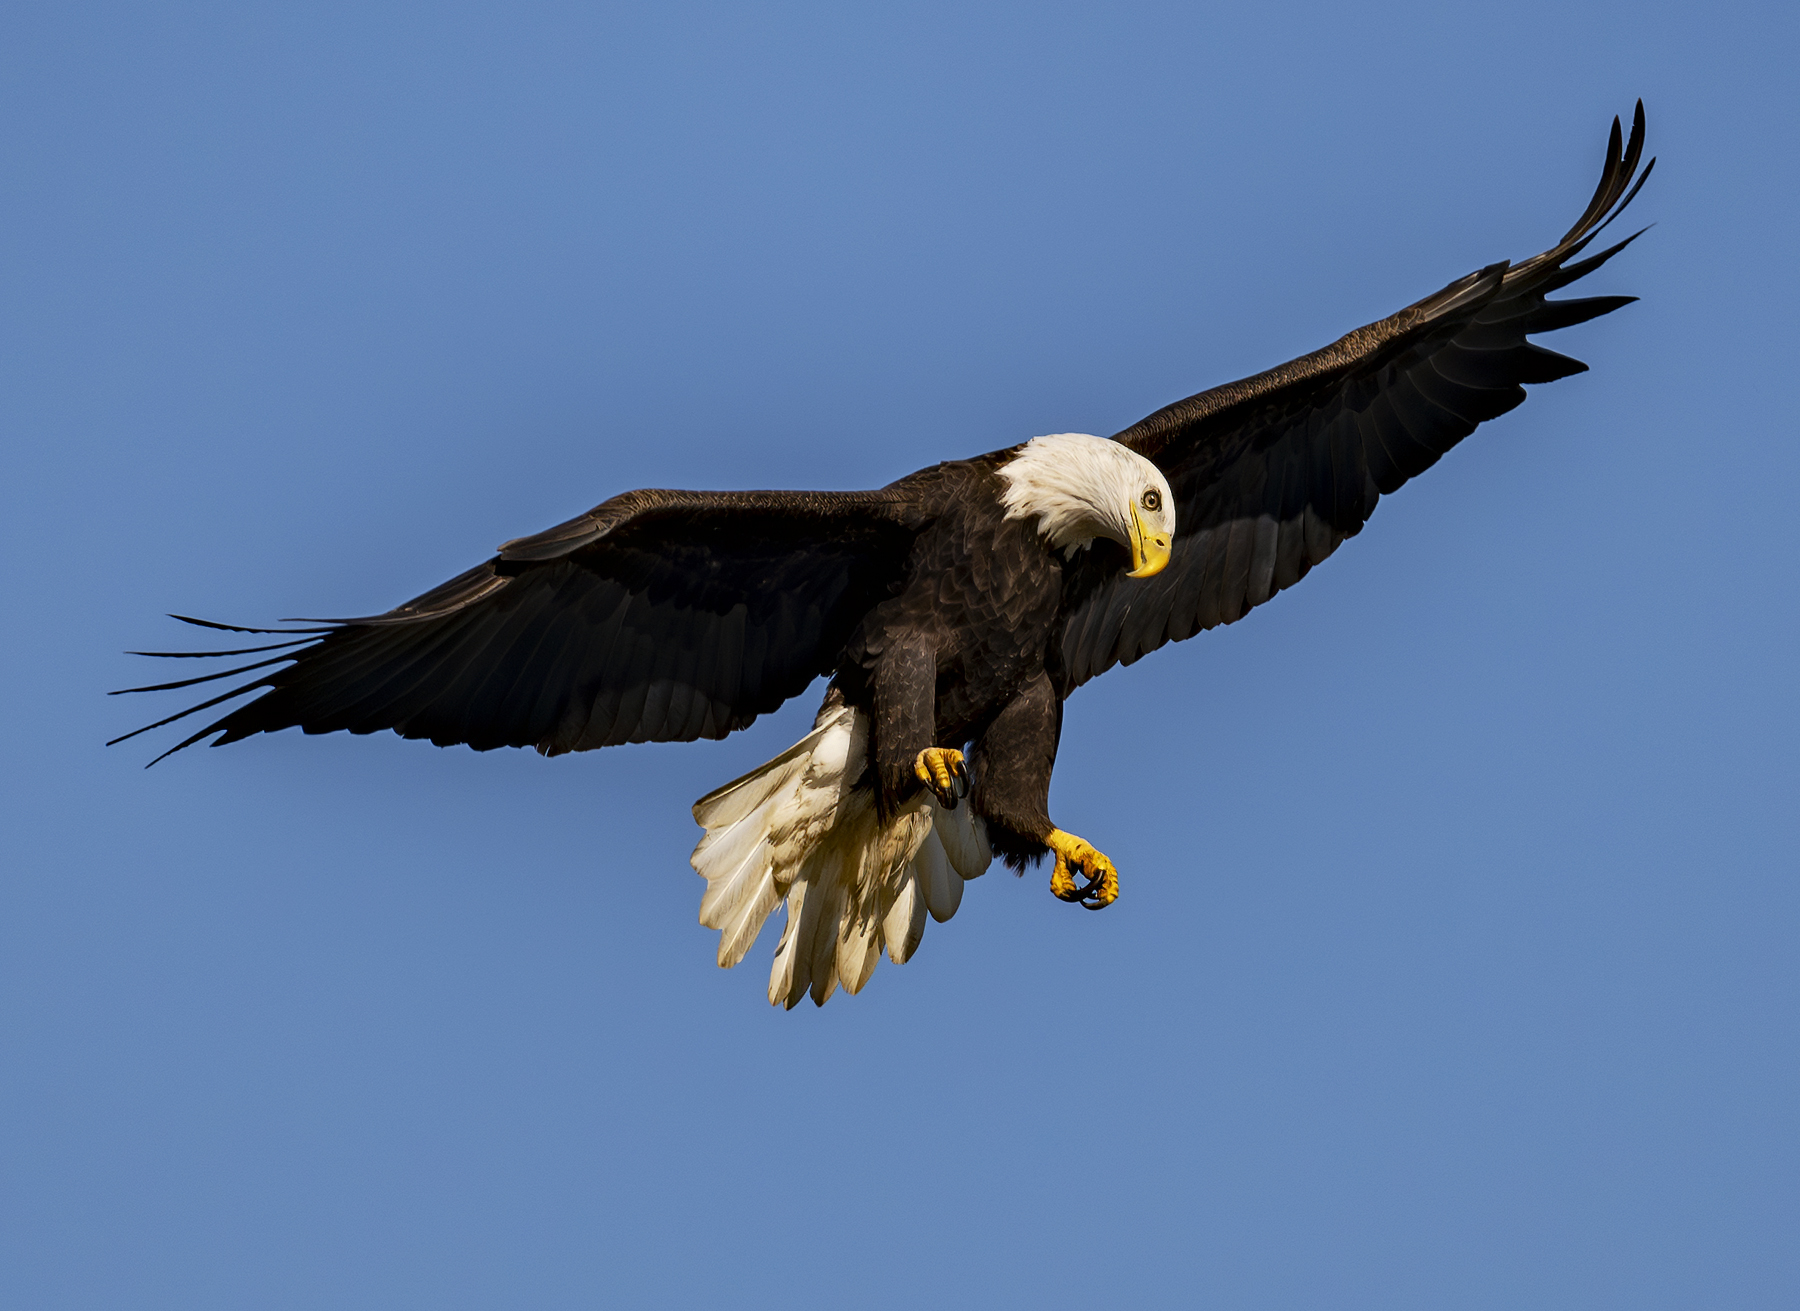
1455 962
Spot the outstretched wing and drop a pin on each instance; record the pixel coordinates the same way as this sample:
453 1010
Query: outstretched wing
658 616
1271 473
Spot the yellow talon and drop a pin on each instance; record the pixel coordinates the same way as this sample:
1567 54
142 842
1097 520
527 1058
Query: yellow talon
943 770
1073 854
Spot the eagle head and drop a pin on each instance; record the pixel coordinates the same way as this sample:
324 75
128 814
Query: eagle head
1079 487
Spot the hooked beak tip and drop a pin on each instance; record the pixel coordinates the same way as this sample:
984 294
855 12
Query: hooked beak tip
1151 559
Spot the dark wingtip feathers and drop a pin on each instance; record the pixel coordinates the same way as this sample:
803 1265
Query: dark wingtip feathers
1629 197
239 628
183 714
1616 175
1558 314
1581 268
203 678
203 655
298 637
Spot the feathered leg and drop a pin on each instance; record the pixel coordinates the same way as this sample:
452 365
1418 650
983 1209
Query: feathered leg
1013 763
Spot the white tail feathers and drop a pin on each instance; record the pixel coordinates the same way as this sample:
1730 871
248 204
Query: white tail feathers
803 828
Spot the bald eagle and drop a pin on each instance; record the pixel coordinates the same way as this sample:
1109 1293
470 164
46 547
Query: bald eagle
953 612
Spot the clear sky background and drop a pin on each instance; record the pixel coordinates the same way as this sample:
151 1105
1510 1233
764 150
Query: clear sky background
1456 959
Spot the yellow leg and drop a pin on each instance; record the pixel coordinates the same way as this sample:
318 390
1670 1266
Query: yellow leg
1075 855
942 770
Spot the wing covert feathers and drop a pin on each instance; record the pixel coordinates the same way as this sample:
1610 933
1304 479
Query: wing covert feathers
1273 472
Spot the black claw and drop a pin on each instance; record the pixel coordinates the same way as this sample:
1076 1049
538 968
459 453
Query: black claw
959 784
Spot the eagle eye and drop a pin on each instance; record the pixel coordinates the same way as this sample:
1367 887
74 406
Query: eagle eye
1152 500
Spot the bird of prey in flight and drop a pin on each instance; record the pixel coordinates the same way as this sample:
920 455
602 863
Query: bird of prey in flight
953 612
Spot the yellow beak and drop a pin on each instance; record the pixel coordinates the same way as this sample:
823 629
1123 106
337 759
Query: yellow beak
1149 551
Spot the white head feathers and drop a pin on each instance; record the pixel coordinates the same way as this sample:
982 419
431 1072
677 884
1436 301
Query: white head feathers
1080 487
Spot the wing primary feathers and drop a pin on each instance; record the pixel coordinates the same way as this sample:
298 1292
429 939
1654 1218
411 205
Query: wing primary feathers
239 628
204 678
208 655
1598 205
183 714
308 639
1581 268
1558 314
1620 164
187 742
1629 197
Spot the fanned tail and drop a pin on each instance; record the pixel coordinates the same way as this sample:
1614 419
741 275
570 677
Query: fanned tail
803 829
